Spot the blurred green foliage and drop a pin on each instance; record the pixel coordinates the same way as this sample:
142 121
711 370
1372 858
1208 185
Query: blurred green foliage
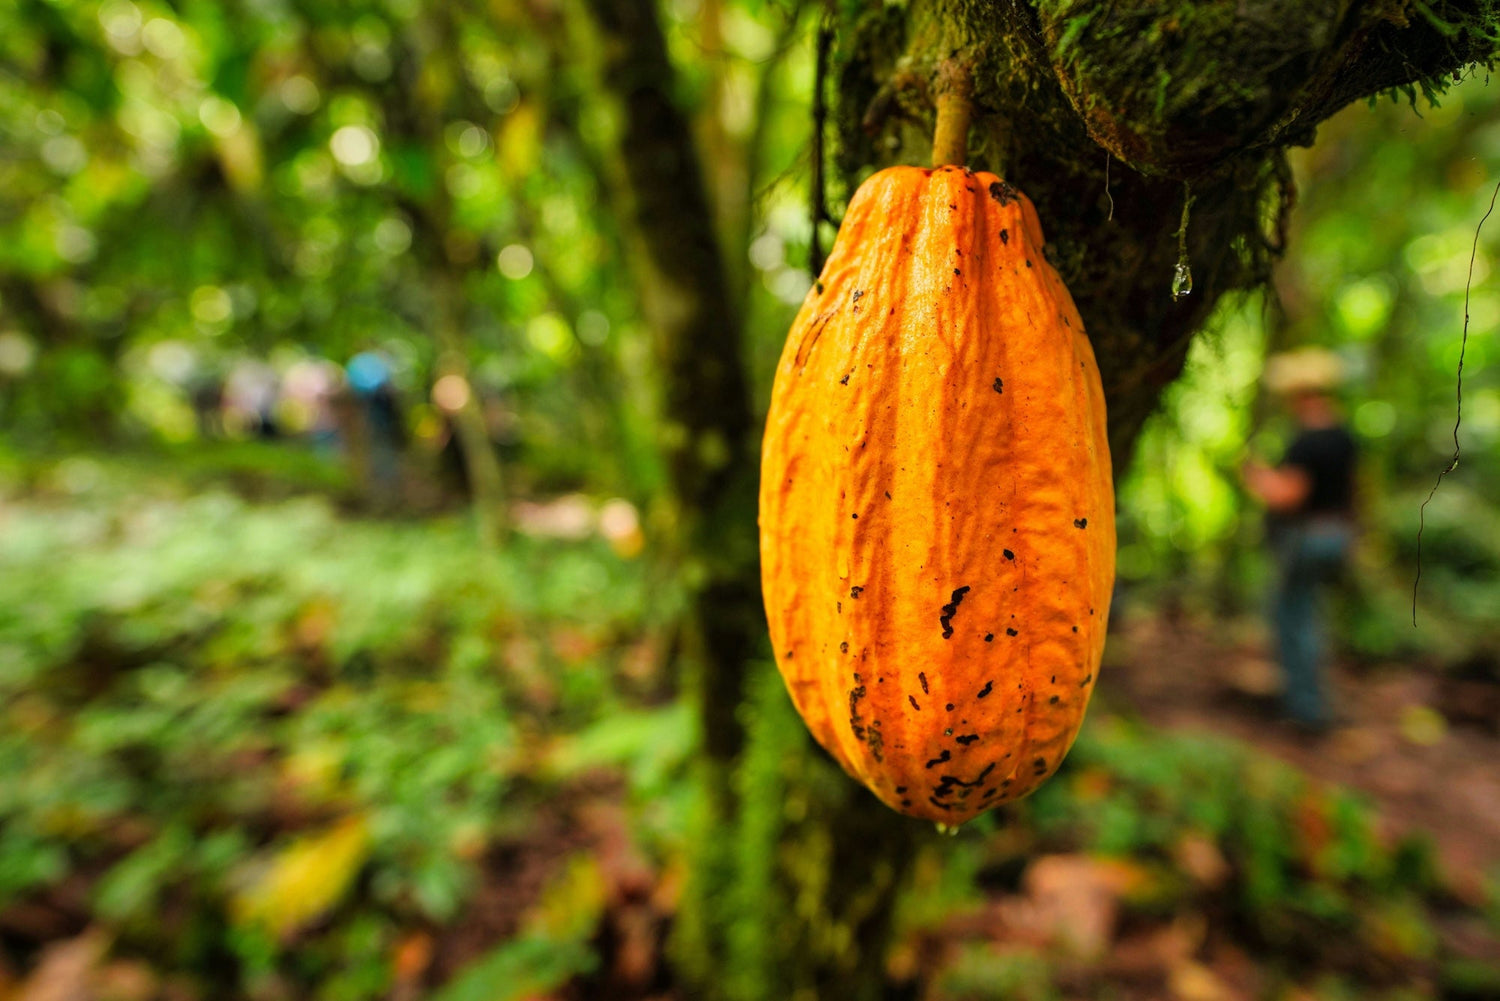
205 679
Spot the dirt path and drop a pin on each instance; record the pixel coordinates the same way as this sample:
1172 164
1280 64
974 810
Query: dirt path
1424 749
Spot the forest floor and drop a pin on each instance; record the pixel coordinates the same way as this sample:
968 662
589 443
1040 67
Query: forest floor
1420 745
193 635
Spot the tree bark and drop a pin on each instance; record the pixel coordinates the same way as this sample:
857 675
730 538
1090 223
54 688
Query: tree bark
710 439
482 462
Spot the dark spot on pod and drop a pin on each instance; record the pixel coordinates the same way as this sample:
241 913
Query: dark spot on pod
913 700
988 685
954 780
1008 554
790 654
1075 629
1028 262
844 381
844 647
991 791
1091 611
1002 192
1010 632
950 707
967 739
922 677
1005 783
1054 700
941 806
1039 765
854 592
819 287
1004 238
946 755
858 294
999 385
1086 679
840 605
1080 523
942 790
887 495
950 610
854 516
900 790
957 272
989 637
953 206
906 802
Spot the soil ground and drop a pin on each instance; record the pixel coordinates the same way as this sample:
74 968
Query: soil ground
1421 746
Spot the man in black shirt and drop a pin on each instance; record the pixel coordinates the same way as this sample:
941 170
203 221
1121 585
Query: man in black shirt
1309 498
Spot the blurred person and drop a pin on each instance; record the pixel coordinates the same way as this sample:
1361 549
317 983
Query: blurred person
250 395
371 381
307 391
206 394
1309 497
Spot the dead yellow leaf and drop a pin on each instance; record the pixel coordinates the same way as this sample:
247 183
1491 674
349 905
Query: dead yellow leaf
305 879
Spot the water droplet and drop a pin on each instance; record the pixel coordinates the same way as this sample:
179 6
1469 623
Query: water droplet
1182 280
947 830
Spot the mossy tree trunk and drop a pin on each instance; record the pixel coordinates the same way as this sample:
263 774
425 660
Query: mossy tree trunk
1110 116
709 435
783 901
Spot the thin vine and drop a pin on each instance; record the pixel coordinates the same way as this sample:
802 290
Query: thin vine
1458 415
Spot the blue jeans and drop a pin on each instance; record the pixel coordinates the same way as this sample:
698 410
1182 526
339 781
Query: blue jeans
1307 555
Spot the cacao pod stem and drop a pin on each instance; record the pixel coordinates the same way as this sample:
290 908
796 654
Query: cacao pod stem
955 109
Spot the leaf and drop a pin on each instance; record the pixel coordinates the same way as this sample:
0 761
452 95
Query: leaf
524 968
553 949
306 878
647 744
131 887
573 902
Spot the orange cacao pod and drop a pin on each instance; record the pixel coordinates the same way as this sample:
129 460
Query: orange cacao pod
936 507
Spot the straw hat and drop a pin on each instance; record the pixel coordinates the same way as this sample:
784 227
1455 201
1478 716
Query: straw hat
1306 370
